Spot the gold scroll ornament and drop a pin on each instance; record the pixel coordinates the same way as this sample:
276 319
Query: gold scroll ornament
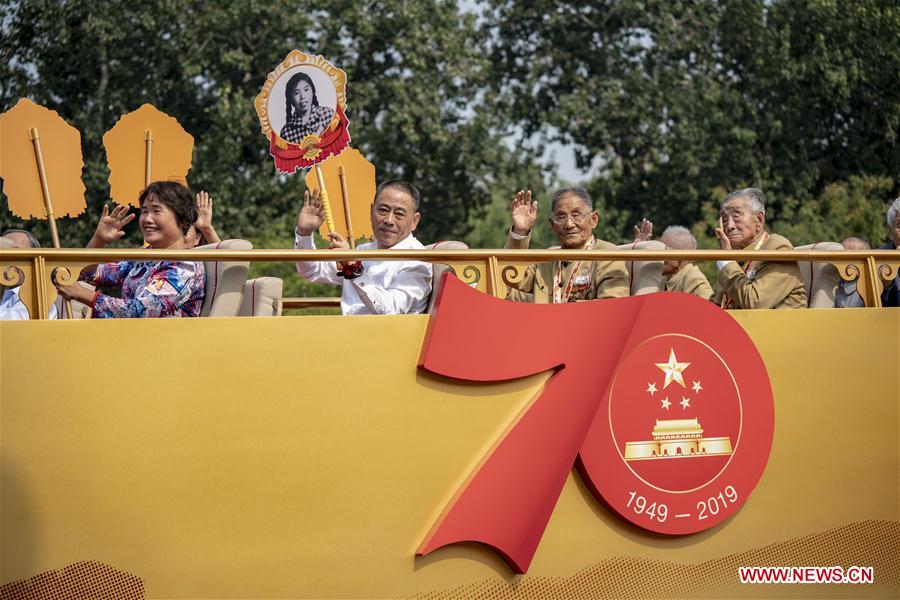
145 145
40 163
359 185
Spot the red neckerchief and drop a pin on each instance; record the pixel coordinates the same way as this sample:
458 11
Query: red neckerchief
561 296
727 302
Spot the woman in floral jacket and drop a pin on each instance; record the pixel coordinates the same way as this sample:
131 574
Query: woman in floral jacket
148 288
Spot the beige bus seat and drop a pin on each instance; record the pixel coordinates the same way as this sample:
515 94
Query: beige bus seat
646 276
224 281
439 269
820 278
262 297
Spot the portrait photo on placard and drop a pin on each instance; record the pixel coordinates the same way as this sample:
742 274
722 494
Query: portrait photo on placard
302 111
302 102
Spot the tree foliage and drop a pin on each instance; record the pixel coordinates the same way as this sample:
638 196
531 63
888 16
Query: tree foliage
677 99
414 70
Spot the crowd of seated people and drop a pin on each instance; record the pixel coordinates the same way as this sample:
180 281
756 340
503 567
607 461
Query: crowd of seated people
172 218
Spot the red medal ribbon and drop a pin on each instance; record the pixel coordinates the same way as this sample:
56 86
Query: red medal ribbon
332 142
560 296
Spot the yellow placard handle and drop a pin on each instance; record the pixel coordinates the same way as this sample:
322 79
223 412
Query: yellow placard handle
148 156
342 174
323 195
35 138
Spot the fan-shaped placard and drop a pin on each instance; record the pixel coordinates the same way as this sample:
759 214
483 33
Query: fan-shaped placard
61 150
137 135
359 177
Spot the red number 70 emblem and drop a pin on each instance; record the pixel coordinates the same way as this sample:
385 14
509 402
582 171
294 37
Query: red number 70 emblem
661 401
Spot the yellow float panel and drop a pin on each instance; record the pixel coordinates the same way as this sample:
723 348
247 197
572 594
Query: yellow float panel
307 457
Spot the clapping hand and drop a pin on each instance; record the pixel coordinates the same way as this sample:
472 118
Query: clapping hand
109 229
524 212
311 215
644 231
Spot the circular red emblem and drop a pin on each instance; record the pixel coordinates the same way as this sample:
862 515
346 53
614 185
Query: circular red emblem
689 435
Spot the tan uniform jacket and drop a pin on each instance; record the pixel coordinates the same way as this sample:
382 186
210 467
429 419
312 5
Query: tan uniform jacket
764 284
594 280
690 280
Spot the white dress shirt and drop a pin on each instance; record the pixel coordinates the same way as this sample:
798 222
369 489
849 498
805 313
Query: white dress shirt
12 308
388 287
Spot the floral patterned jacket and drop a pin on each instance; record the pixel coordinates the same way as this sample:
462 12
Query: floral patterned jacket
149 289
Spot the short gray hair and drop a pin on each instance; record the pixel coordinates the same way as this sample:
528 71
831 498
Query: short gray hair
571 191
892 212
404 186
683 239
856 240
31 239
754 196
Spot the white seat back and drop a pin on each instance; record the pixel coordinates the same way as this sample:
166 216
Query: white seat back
224 281
820 278
262 297
646 276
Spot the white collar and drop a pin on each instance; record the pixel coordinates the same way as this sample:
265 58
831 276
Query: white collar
408 243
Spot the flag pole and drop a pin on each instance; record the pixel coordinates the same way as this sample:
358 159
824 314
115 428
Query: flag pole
345 194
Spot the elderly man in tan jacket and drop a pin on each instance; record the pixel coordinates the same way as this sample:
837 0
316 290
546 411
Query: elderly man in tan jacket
752 284
683 275
573 219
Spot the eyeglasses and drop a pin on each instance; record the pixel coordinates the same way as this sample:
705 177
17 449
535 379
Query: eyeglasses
576 218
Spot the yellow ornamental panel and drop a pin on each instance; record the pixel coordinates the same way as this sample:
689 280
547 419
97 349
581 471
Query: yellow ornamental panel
358 187
145 145
23 128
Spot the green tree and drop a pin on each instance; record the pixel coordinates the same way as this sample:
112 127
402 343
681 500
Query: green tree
415 95
677 99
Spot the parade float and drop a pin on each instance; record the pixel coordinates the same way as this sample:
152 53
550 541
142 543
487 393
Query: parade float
648 446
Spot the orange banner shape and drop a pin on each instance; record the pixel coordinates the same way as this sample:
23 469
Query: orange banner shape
145 145
359 175
63 163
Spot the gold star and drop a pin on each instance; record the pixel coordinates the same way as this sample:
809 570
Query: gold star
697 386
651 387
666 404
673 369
684 403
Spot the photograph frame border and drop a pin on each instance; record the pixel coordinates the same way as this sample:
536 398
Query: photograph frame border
294 59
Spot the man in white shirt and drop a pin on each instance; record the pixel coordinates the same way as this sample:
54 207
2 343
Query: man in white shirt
380 287
11 306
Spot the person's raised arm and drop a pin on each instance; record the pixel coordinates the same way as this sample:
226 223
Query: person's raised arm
524 213
309 219
311 215
204 218
109 228
643 232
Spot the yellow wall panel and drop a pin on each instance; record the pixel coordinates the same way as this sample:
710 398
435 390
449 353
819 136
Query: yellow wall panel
307 457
